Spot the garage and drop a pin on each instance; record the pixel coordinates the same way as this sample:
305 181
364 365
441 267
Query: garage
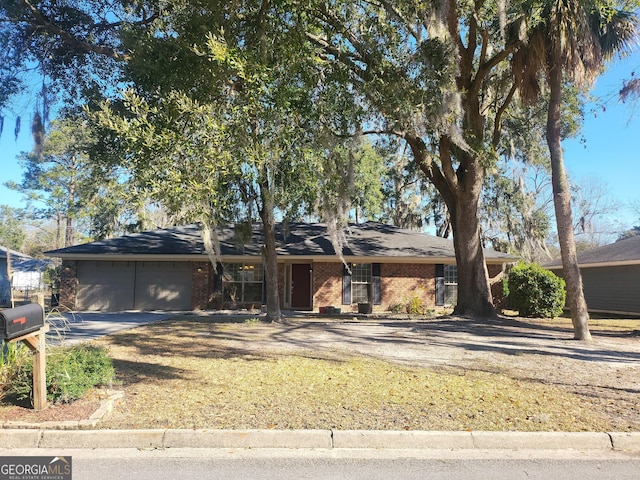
117 286
163 286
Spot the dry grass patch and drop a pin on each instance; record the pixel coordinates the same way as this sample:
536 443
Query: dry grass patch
195 373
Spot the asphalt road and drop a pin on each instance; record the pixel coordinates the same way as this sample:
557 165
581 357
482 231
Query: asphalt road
245 464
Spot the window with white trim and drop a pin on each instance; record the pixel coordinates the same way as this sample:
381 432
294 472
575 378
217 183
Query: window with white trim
242 282
450 284
360 282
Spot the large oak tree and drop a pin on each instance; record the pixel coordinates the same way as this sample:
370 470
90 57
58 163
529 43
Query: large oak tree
434 75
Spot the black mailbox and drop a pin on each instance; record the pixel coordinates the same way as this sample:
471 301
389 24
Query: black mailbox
15 322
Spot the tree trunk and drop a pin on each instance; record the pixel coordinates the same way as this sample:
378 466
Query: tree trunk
461 194
269 255
68 230
474 292
562 204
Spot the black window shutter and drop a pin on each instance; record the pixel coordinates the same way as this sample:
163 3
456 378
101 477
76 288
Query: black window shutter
346 286
217 278
376 291
439 284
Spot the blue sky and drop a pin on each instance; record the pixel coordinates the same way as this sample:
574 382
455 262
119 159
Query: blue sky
610 153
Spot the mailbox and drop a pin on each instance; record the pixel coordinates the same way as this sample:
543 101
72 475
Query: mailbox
15 322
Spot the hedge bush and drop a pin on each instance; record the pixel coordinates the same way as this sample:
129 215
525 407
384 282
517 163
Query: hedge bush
71 372
534 291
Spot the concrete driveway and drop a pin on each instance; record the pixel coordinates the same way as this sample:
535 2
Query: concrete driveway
76 327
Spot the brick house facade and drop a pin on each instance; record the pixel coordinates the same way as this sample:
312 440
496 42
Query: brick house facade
126 273
400 282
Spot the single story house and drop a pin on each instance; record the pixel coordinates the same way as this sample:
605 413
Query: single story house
610 276
26 273
168 269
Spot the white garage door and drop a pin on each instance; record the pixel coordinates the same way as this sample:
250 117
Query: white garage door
116 286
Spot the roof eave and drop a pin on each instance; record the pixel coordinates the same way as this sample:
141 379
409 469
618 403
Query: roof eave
124 257
620 263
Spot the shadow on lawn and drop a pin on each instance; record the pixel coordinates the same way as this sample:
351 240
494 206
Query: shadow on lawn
195 344
406 341
135 371
502 336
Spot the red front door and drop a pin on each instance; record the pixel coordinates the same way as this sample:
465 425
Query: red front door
301 285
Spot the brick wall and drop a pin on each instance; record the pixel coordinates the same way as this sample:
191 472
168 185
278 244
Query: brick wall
201 285
68 284
401 281
327 285
398 283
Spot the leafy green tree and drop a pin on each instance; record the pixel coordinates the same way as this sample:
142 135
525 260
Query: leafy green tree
569 41
12 227
410 201
632 232
367 186
435 76
75 47
232 136
63 184
514 220
58 180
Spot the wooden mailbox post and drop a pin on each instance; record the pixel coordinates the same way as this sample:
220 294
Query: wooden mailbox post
35 342
26 324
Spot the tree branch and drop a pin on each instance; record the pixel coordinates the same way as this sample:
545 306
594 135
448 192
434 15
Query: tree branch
485 68
364 55
42 22
102 26
396 13
497 125
344 57
431 171
453 27
444 149
395 133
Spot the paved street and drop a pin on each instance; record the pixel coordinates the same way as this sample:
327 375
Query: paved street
285 464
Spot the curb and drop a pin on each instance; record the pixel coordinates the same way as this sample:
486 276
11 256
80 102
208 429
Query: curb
320 439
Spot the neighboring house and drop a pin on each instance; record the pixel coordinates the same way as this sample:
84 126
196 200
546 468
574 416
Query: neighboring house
26 273
168 269
610 276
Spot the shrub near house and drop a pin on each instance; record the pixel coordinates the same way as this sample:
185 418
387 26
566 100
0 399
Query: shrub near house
534 291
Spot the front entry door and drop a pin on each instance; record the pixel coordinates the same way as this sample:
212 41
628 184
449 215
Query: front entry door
301 285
